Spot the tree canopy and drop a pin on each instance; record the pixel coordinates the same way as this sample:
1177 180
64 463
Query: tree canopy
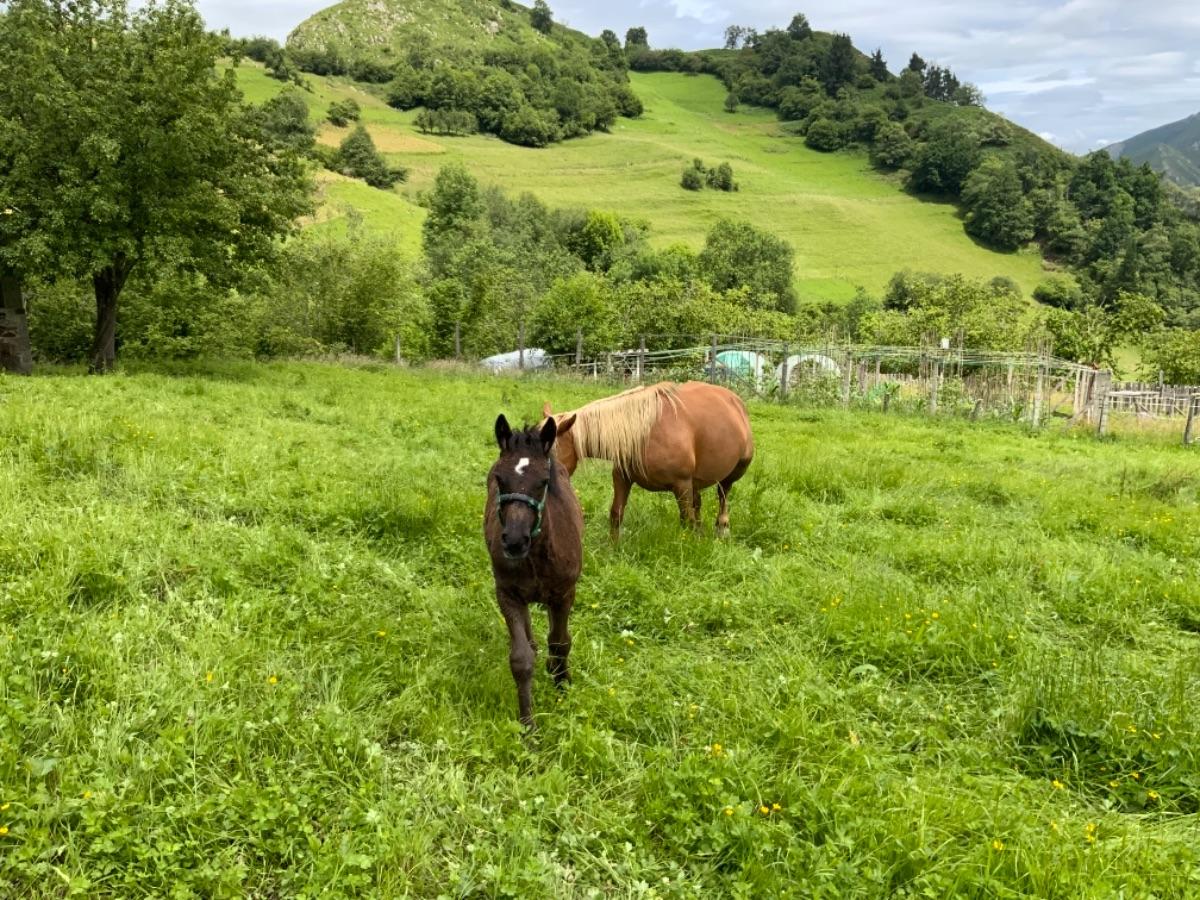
131 148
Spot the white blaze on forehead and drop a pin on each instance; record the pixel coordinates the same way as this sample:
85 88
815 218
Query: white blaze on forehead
522 465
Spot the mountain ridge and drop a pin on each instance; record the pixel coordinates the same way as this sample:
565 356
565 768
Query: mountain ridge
1172 149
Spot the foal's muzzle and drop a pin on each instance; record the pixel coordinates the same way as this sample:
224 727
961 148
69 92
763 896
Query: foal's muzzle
516 547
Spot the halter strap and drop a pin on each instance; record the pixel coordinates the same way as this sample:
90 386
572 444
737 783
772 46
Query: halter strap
537 505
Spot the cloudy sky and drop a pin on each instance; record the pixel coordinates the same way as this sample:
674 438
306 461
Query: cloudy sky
1082 73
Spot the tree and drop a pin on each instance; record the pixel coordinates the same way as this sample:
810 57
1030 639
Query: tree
1175 354
879 69
839 65
967 94
540 16
693 176
799 29
580 303
996 208
343 112
916 64
358 158
455 212
636 37
737 255
734 35
731 102
136 150
892 147
945 160
721 178
284 121
824 135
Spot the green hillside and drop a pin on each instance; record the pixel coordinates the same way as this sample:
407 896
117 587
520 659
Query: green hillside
850 225
1173 150
389 29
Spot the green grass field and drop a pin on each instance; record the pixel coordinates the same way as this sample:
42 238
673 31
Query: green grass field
249 648
849 224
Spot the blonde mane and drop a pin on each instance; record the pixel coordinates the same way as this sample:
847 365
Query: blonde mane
617 428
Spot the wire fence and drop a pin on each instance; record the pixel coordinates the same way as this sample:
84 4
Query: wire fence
1031 386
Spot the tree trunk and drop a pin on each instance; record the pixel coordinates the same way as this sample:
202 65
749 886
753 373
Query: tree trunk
108 283
15 353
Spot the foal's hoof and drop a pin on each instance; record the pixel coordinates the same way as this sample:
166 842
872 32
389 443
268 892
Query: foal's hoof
722 532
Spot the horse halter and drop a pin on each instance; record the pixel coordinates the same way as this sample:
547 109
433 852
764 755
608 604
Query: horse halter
538 506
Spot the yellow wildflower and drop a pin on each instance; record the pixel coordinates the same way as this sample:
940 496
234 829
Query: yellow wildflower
1153 795
1054 824
1136 776
1114 784
764 810
935 615
3 830
997 845
1057 785
729 810
209 677
775 807
381 633
87 795
272 680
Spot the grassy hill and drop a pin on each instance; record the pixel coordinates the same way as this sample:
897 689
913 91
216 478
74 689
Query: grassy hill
388 29
849 224
1172 149
253 649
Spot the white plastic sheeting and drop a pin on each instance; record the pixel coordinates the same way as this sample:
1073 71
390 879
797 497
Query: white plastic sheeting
535 358
809 363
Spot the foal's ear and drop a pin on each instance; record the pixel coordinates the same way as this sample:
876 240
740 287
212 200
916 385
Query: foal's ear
565 424
546 410
503 432
549 433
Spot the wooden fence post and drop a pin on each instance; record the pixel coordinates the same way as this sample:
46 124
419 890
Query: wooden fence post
521 345
977 410
578 348
712 362
934 384
458 340
848 365
1193 414
785 375
1102 386
641 370
397 349
1036 419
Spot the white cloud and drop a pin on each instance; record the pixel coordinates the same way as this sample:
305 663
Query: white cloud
1082 70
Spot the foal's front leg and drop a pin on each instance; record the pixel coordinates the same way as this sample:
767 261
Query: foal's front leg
559 640
520 656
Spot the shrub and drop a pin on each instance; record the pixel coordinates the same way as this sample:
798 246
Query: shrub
824 135
343 112
358 158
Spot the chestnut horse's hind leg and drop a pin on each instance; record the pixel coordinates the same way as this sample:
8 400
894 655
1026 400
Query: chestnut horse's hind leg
520 656
559 639
685 496
621 488
696 500
723 489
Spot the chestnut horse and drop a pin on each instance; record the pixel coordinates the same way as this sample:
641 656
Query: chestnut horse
680 438
534 531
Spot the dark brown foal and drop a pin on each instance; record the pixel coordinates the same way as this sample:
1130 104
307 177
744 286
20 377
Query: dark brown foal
533 526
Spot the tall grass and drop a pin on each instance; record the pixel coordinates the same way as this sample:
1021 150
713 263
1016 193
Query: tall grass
249 647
